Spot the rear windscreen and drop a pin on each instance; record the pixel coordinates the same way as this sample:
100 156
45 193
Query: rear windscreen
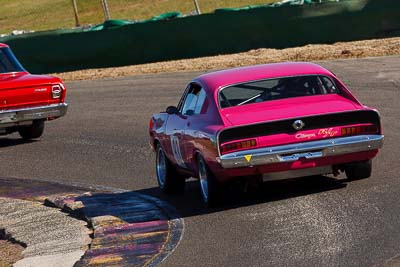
8 62
273 89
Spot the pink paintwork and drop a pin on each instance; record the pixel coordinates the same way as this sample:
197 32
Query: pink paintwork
185 137
286 108
27 99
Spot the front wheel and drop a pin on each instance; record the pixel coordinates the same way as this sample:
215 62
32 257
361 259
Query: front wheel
209 187
32 131
169 180
358 170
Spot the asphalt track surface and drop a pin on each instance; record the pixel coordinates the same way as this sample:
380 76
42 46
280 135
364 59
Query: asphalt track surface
103 140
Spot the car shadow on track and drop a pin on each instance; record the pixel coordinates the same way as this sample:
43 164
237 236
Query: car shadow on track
189 203
8 142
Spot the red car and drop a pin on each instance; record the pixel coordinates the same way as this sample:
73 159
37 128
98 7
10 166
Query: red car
26 100
261 123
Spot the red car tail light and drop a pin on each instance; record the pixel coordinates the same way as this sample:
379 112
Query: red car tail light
151 124
56 91
356 130
240 145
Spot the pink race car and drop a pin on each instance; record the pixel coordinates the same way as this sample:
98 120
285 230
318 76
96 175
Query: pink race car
264 122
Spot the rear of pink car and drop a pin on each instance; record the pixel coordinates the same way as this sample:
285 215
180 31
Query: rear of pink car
295 125
261 123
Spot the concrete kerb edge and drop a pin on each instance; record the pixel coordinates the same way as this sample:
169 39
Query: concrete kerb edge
176 223
5 235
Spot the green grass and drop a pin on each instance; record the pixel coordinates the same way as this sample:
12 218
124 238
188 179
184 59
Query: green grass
55 14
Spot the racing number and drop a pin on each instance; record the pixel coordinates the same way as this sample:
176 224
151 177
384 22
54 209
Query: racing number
176 150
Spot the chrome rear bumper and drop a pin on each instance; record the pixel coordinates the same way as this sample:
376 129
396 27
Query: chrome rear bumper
307 150
9 118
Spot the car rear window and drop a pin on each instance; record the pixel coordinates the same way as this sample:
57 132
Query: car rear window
273 89
8 62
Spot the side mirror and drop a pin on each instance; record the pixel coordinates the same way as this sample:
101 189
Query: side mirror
172 110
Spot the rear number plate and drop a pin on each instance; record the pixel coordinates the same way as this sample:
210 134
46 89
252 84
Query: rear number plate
297 156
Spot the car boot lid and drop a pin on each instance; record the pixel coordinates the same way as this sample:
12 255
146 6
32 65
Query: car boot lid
24 79
287 108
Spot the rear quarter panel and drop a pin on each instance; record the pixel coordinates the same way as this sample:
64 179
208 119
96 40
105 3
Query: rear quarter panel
202 132
202 140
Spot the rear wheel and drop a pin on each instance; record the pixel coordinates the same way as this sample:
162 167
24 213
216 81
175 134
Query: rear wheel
209 187
358 170
33 131
169 180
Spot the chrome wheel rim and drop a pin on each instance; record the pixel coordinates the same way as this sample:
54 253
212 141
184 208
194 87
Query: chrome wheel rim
203 180
161 167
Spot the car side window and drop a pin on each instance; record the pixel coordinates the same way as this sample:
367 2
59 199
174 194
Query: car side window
190 103
194 101
5 63
200 101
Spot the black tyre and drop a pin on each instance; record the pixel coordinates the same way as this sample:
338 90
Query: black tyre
33 131
358 170
169 180
209 186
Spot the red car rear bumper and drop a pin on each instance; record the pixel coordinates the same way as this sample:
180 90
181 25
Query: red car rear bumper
15 117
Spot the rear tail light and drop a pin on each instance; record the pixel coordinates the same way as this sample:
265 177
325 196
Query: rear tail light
225 148
151 124
357 130
56 91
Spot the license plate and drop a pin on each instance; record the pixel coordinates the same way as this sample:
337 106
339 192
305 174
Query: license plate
9 117
306 155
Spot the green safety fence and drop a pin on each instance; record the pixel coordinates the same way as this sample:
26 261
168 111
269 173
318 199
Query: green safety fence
208 34
277 4
115 23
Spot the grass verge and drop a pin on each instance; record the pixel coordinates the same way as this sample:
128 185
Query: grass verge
54 14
